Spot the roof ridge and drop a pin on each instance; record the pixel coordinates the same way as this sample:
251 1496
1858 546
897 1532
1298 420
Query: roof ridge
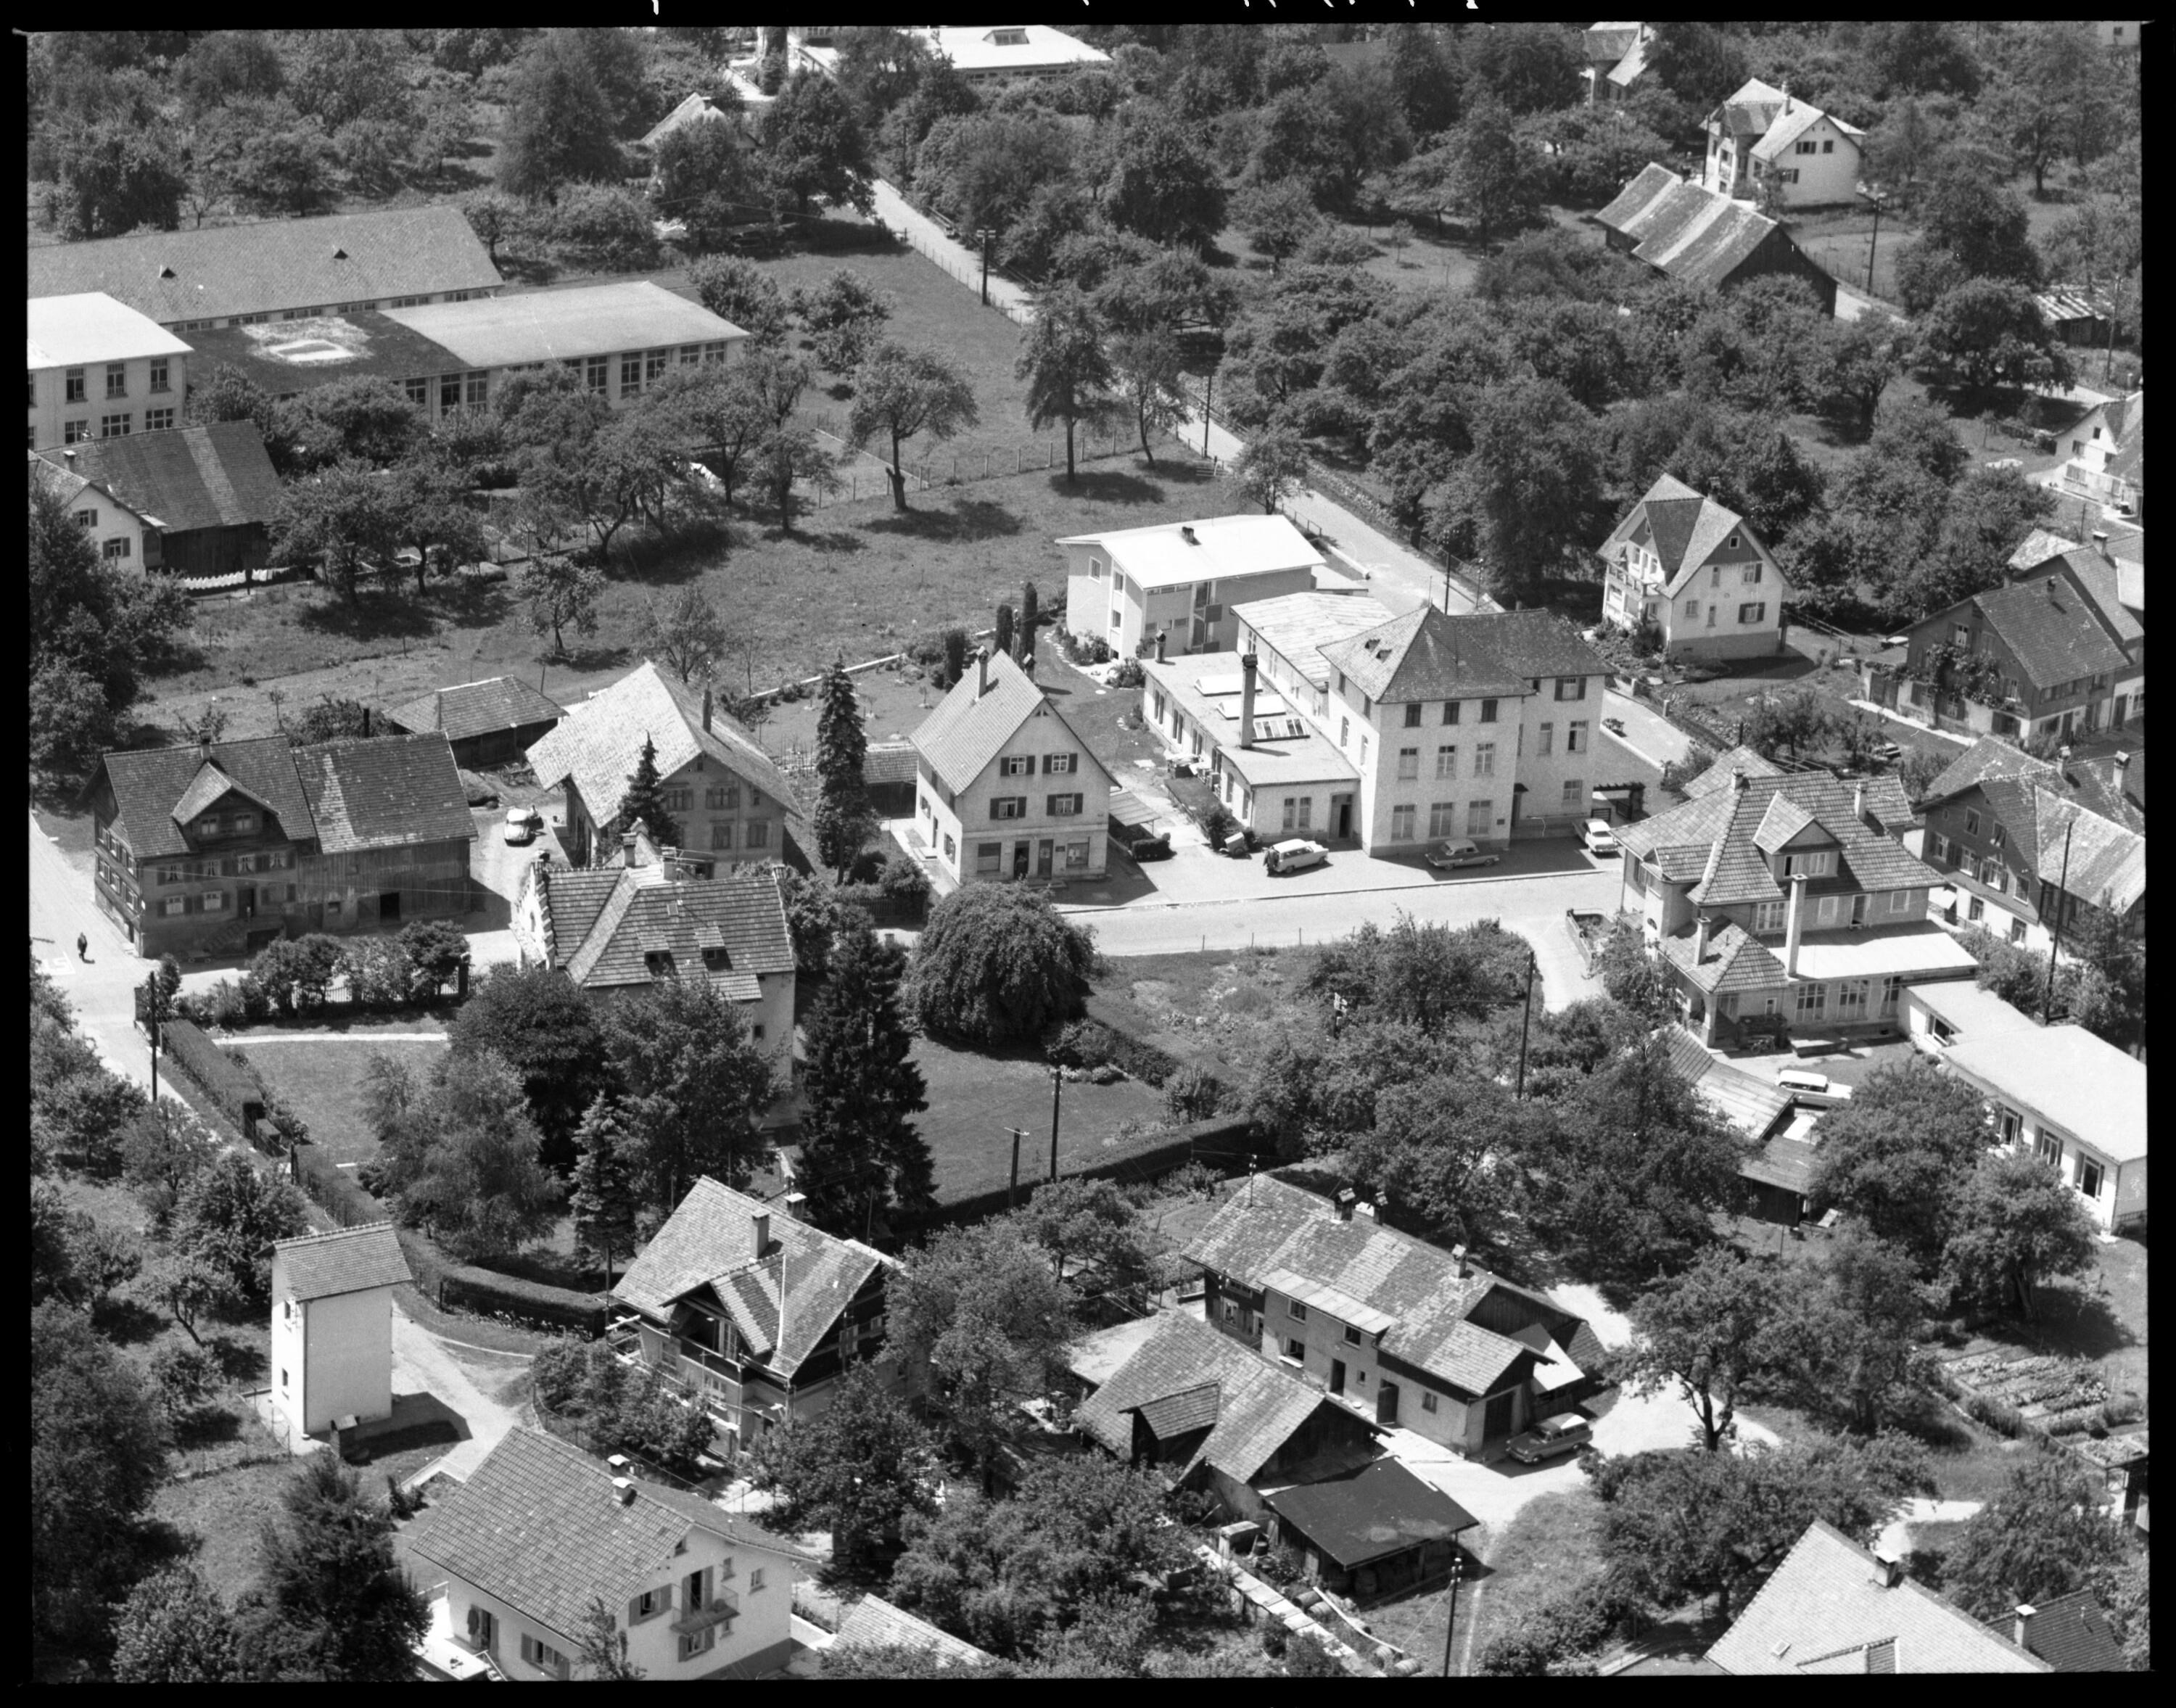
334 1234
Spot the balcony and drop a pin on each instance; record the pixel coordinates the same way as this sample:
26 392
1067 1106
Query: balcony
444 1652
725 1606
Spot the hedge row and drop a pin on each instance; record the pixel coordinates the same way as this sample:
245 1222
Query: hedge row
334 1191
232 1089
463 1286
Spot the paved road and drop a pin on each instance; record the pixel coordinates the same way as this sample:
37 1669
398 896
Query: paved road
964 264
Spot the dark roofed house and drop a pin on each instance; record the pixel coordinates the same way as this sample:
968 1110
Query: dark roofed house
541 1533
1704 237
206 494
192 281
1396 1329
2070 1633
751 1313
1375 1531
487 723
874 1623
1694 572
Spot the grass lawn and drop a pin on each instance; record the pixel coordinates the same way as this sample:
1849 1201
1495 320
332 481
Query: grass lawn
858 579
976 1099
2100 1315
226 1509
321 1081
1554 1541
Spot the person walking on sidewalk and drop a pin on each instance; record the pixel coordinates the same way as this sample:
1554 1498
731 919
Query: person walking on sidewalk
82 946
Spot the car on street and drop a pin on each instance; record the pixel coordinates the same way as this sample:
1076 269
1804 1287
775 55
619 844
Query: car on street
1293 856
1565 1433
1462 850
524 825
1614 725
1597 836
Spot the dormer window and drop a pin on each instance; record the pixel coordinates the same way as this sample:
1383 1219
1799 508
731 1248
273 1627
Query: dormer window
660 963
1008 38
1817 863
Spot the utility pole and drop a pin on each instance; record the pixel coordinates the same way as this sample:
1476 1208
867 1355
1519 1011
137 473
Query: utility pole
1450 1624
1012 1190
1525 1021
2055 944
1208 394
1057 1087
1872 242
986 233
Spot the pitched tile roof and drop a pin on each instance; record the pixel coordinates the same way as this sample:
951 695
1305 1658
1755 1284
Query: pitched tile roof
1675 227
1426 654
1361 1515
1535 642
290 356
2102 580
1299 625
1751 109
391 792
1749 760
540 1527
2107 860
2071 1633
350 1260
216 272
727 929
1736 960
1713 836
150 784
478 708
1648 187
1790 126
1990 756
874 1623
599 742
1827 1606
970 726
1684 526
1273 1225
694 108
2053 632
1187 1375
184 478
709 1242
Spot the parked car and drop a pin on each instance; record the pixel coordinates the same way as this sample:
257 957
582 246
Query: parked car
1599 838
1816 1090
1293 856
1462 850
1141 842
1565 1433
1614 725
524 825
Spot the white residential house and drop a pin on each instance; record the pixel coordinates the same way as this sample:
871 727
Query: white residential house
332 1325
99 369
1761 135
2074 1101
1694 573
1346 723
541 1533
1181 579
1006 788
2107 454
114 529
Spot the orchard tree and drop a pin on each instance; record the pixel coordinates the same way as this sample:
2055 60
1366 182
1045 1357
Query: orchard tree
796 457
230 1217
1444 1148
997 961
1710 1331
695 1084
708 178
461 1154
688 636
1900 1154
1273 466
1090 1226
1163 183
900 392
1276 219
174 1629
343 521
560 593
2044 1535
1151 378
812 146
1848 1343
859 1470
737 289
2013 1227
560 126
844 316
1067 368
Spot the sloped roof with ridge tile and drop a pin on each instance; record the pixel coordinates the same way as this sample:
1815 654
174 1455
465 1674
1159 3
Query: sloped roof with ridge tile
349 1260
1736 960
2071 1633
1536 643
599 742
1701 236
183 479
539 1525
727 929
1380 1509
206 789
1299 625
1828 1602
387 793
1424 655
1684 527
709 1242
472 709
2107 861
216 272
1784 819
874 1623
1749 760
1990 756
2052 630
1272 1225
1627 212
1790 126
971 724
1751 109
150 784
1714 834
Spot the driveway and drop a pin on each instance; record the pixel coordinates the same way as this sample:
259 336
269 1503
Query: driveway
424 1364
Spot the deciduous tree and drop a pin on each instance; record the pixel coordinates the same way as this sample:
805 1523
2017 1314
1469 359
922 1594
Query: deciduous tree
690 638
174 1629
560 126
1067 370
1163 184
1710 1330
230 1216
812 145
2044 1535
541 1022
561 594
2014 1225
900 392
844 316
695 1083
995 962
859 1468
1899 1153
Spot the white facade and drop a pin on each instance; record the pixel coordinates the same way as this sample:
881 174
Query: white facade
1055 799
121 535
1182 580
99 370
331 1358
1810 159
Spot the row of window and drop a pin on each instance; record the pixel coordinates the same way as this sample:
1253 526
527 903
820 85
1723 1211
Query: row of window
1770 916
680 797
1053 765
1055 806
1567 688
1295 1352
77 382
233 866
990 857
111 427
757 835
1748 616
215 901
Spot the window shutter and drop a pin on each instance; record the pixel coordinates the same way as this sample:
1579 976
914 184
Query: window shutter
633 1612
559 1667
1077 801
665 1599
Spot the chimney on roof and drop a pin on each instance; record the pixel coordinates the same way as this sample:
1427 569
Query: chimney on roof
1700 929
1249 667
1458 1256
626 848
706 711
2026 1611
1366 1212
760 1221
1858 800
1737 780
1163 635
2122 761
366 723
1186 533
1891 1567
981 672
1786 95
623 1490
67 453
796 1206
2101 544
1795 924
1345 1200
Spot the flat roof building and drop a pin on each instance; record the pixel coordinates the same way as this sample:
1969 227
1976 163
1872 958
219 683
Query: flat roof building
99 369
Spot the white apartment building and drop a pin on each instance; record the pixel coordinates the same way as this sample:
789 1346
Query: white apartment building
99 370
1181 580
1761 135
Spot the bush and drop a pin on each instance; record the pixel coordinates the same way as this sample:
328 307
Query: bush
1082 1044
334 1190
487 1293
185 1377
377 973
230 1088
1128 674
905 885
868 866
1190 1095
998 962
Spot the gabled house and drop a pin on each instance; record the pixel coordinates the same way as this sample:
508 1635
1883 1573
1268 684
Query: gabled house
327 838
2055 652
1006 788
1613 58
332 1325
2072 1100
1210 1413
1686 230
1762 142
732 801
654 915
1399 1331
1348 723
2070 1633
1373 1530
1181 580
1786 900
2030 848
1833 1609
751 1315
2116 588
2107 447
541 1533
698 108
206 496
99 369
487 723
874 1623
1693 573
116 532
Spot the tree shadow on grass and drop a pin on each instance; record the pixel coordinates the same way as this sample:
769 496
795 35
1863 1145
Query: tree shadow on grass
1106 486
582 660
669 560
371 616
126 1322
961 520
835 542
